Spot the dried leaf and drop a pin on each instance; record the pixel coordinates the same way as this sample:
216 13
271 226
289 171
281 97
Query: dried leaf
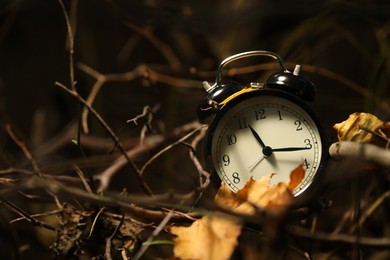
215 236
260 194
212 237
358 126
296 177
231 200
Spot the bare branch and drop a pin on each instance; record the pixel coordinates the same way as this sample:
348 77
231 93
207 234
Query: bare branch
91 98
147 116
154 234
204 176
23 214
169 147
71 47
149 143
24 149
339 238
112 134
139 71
361 152
166 51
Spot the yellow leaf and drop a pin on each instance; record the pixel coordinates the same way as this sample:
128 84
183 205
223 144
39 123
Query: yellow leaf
212 237
355 129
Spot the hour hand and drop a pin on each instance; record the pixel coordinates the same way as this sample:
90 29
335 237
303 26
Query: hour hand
257 136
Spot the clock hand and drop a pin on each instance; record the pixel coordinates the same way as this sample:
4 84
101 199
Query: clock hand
253 165
267 151
257 136
290 149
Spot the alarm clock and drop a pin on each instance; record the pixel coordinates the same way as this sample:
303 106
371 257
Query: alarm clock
263 128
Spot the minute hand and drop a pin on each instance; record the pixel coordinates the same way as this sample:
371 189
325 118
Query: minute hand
290 149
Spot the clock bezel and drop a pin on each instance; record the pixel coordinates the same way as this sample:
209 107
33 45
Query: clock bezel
274 93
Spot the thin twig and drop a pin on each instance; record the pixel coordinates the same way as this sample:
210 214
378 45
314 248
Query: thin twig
169 147
112 134
36 215
147 116
95 221
368 213
166 51
23 214
139 71
204 176
108 240
149 143
154 234
82 177
24 148
91 98
339 238
71 47
347 82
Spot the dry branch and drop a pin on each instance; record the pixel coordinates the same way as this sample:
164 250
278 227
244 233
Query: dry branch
360 152
71 47
112 134
166 51
24 214
339 238
24 148
140 71
149 142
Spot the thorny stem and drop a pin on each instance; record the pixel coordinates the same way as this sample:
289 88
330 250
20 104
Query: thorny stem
111 132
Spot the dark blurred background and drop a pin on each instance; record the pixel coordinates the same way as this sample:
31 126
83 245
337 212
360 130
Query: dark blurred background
349 38
342 45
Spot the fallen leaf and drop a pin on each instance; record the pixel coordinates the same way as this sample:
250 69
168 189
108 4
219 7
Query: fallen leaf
228 199
212 237
274 198
296 177
215 235
355 129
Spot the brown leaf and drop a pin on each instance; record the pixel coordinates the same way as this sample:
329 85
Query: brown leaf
212 237
296 177
260 194
215 236
358 126
228 199
255 193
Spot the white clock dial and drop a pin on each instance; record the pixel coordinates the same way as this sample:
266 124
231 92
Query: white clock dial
265 135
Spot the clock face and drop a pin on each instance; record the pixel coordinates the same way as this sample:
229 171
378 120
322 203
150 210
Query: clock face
263 134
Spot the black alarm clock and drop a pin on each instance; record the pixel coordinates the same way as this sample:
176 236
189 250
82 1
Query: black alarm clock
264 128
